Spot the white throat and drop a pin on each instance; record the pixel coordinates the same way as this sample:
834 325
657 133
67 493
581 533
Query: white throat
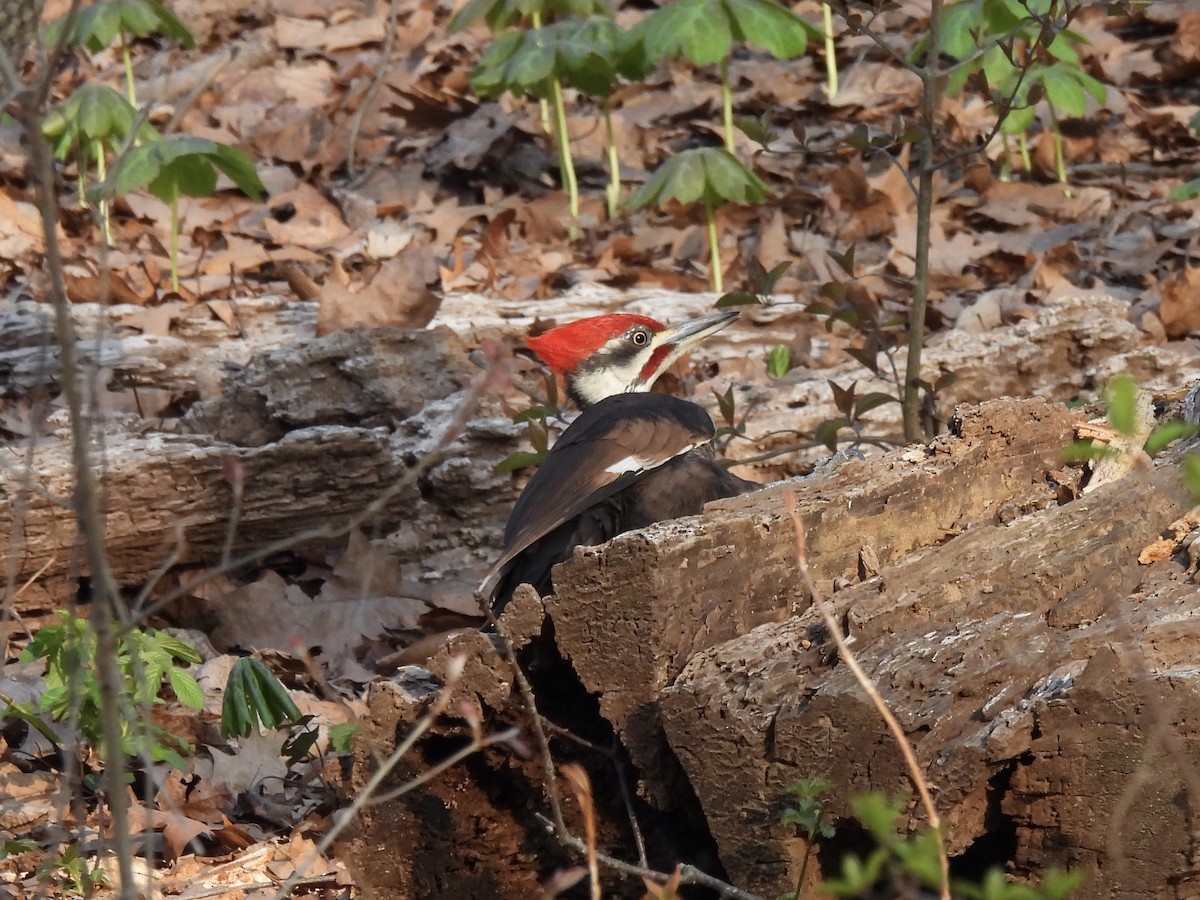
593 386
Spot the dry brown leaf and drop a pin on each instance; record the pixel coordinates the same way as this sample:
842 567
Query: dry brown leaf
1179 307
22 231
178 831
27 799
317 34
305 217
772 241
398 295
254 759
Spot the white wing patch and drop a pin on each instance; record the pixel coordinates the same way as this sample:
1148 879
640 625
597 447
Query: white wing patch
635 463
629 464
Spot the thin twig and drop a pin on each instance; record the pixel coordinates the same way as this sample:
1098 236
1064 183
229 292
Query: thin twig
89 516
688 874
557 826
627 798
539 733
864 681
385 60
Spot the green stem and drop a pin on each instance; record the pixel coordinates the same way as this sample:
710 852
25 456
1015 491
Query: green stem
101 175
612 194
931 85
808 846
543 104
81 182
726 104
831 69
175 242
128 60
1060 163
714 249
570 185
1006 159
1023 144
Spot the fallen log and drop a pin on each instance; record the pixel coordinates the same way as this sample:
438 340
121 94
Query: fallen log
1043 676
314 433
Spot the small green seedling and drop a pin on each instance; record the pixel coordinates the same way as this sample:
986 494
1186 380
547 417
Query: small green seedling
586 54
807 812
704 32
711 176
1023 59
96 26
501 14
181 165
147 661
536 62
91 123
254 697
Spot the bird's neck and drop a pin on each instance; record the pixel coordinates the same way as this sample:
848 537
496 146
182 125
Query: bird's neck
589 387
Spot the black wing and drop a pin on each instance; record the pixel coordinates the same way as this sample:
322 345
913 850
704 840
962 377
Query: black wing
607 448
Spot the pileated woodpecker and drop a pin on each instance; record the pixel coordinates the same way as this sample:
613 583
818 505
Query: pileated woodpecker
631 458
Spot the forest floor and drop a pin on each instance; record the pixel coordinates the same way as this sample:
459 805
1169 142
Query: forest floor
452 216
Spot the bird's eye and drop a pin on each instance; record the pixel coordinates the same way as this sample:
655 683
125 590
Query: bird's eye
640 338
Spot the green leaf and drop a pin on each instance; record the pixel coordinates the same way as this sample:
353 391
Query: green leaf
96 26
728 179
711 174
779 361
253 694
93 112
522 459
186 689
297 746
774 28
1064 93
1019 119
1167 433
871 401
518 63
694 29
704 31
1189 190
500 14
879 815
827 432
1085 451
1122 398
809 788
185 165
340 736
175 647
737 298
1191 474
17 846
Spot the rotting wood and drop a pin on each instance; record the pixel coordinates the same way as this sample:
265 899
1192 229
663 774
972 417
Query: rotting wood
298 420
981 647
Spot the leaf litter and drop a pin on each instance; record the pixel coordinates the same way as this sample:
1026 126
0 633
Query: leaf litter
459 194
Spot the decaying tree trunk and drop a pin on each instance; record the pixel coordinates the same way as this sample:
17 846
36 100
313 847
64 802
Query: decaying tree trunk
1045 677
317 432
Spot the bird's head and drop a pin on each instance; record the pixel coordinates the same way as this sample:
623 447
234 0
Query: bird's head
619 353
